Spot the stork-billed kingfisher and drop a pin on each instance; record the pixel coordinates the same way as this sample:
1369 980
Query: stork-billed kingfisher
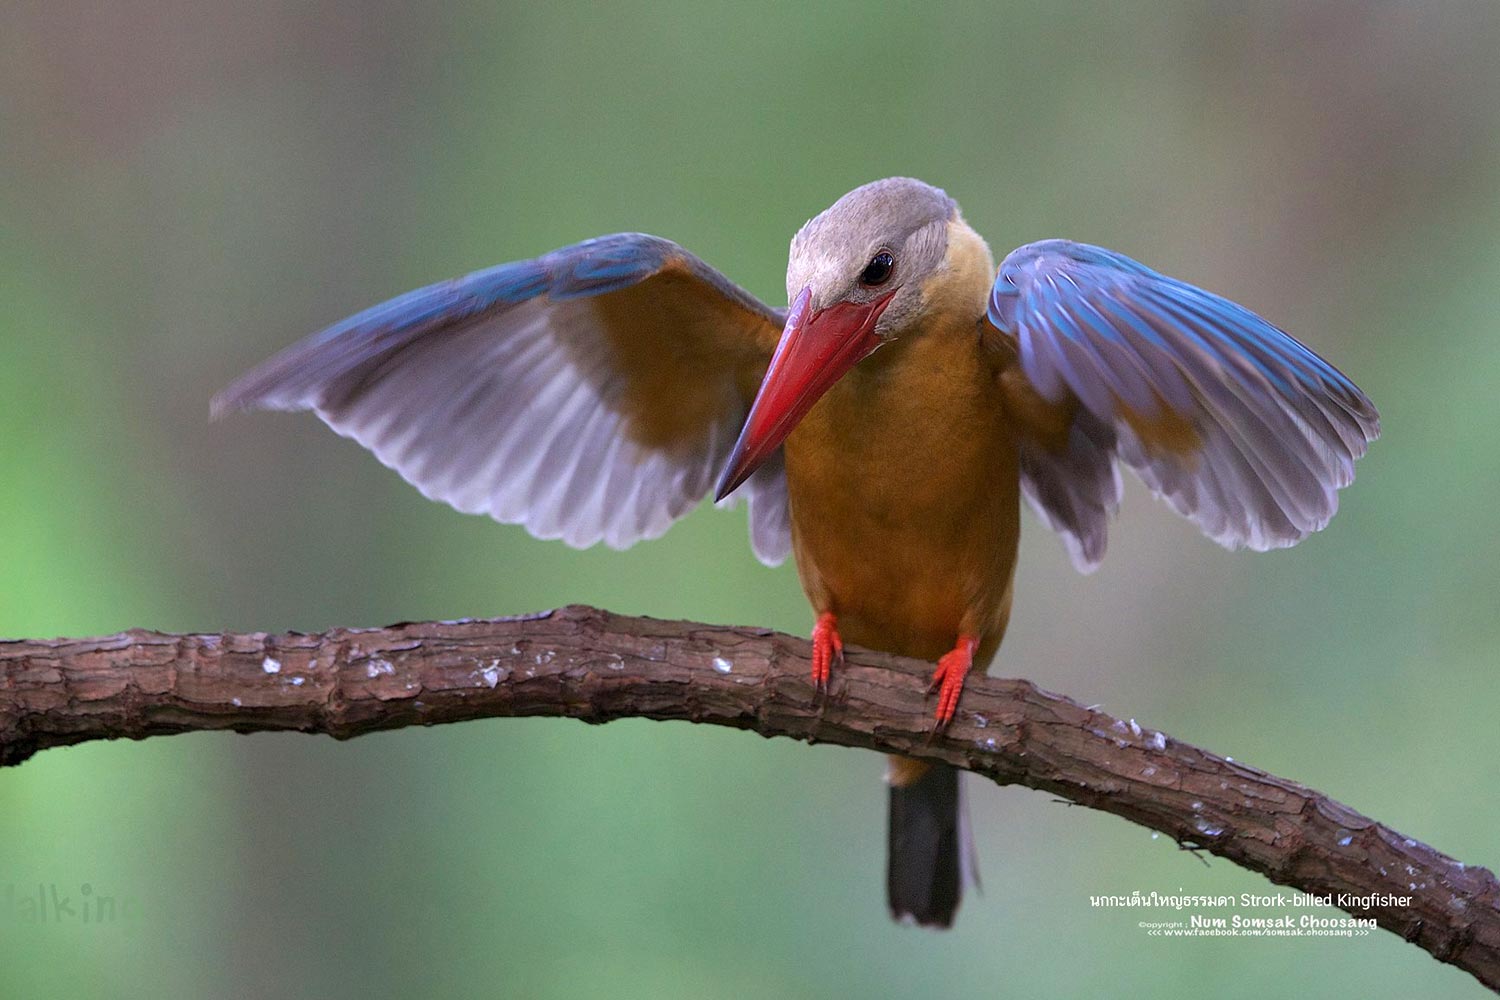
883 428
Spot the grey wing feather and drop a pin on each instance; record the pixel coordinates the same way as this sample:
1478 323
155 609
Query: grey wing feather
1075 491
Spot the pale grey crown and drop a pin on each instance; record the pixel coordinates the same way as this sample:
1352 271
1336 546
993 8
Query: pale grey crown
899 214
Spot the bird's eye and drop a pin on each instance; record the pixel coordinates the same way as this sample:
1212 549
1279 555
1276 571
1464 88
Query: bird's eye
878 271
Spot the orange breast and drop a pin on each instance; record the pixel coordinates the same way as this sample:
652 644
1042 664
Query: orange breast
904 493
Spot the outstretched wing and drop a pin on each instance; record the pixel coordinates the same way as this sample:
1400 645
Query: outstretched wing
591 394
1240 427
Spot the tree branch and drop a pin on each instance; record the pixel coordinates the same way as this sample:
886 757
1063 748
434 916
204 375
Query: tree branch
596 666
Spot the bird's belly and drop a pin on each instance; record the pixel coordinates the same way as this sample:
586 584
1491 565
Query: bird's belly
905 521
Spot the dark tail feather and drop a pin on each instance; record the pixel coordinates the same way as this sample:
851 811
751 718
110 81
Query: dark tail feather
931 853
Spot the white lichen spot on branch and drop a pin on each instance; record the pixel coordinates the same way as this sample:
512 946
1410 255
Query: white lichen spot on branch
493 674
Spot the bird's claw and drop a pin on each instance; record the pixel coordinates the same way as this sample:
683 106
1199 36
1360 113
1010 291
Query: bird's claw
948 679
828 648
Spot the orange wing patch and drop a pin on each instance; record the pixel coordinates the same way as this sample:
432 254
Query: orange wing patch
1032 414
679 346
1165 433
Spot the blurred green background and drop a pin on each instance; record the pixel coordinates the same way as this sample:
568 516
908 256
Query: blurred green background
186 187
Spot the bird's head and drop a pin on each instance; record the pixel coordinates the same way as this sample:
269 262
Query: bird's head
866 259
859 275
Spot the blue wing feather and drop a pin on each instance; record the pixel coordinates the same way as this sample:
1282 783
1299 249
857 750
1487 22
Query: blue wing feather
502 392
1278 428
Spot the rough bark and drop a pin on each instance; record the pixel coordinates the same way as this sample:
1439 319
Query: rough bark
595 666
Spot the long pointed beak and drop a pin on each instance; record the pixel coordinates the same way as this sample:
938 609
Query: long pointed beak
816 350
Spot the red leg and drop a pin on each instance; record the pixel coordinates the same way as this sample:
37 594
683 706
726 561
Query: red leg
950 674
827 648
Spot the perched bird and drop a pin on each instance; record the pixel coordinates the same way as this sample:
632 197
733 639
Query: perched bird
884 427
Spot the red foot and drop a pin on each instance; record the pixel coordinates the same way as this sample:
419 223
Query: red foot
827 647
950 674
